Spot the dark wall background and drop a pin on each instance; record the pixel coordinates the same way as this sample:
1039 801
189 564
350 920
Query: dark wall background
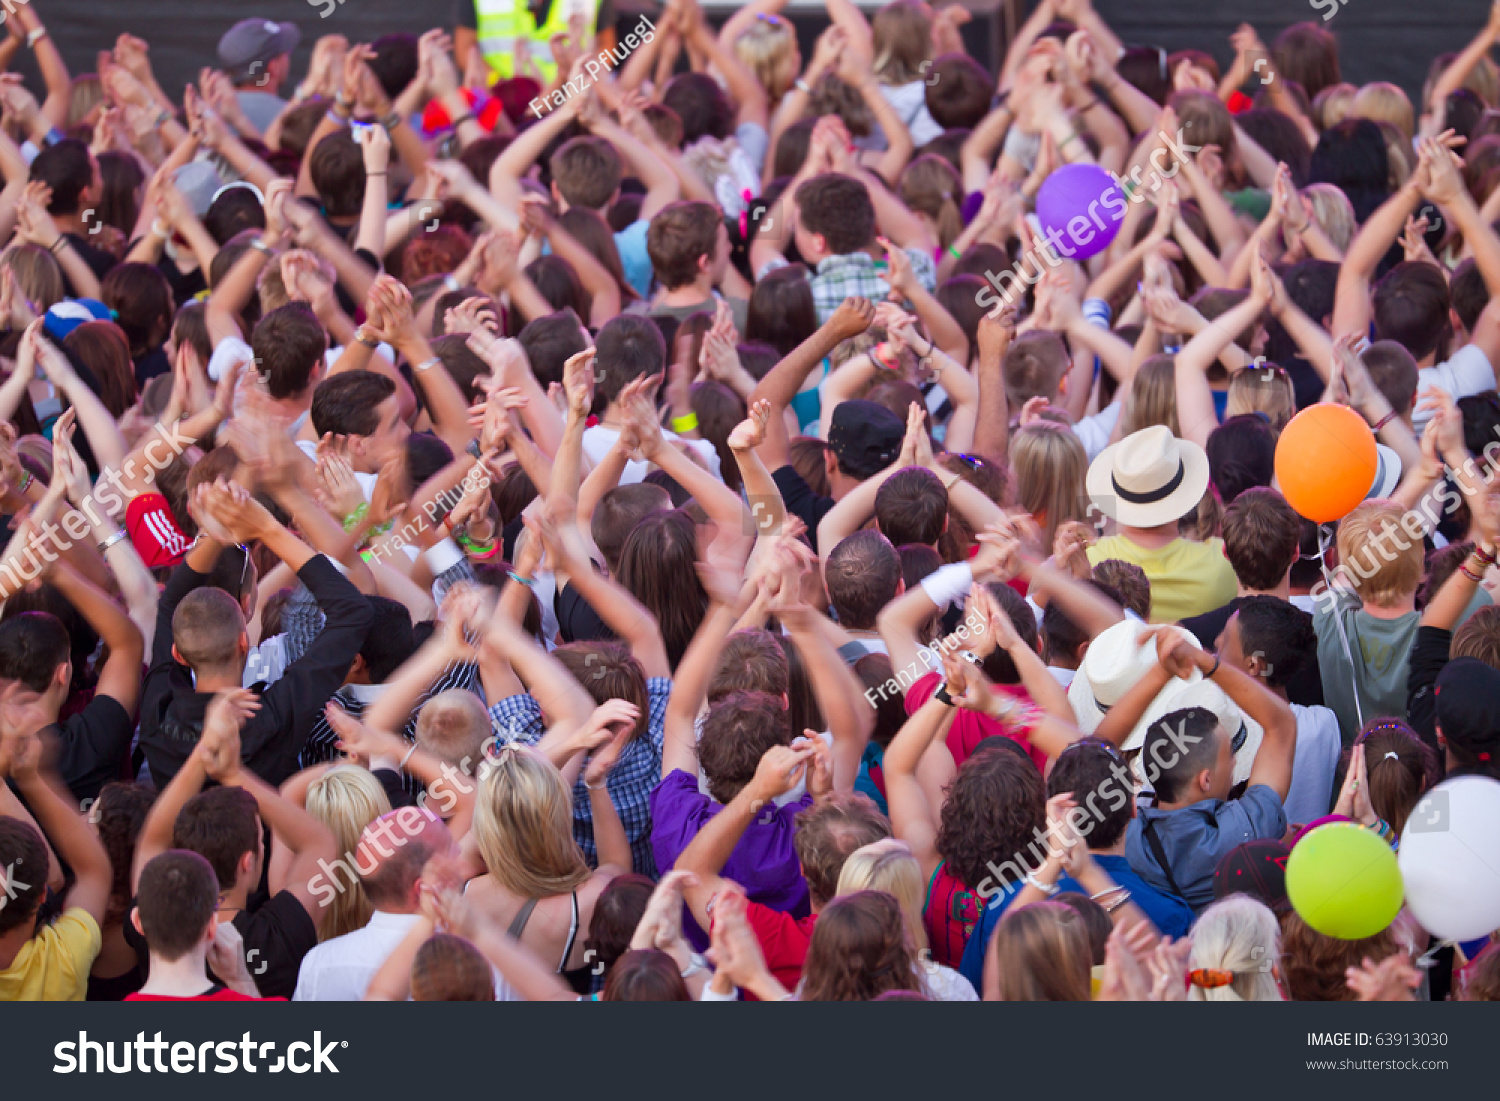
1392 40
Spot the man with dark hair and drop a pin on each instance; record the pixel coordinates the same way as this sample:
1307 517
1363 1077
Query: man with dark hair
257 55
1271 640
1095 774
364 409
44 961
1412 303
689 248
911 506
958 92
289 345
36 667
1188 759
336 167
177 914
630 347
1394 372
392 852
863 575
201 645
1262 540
70 171
224 826
551 341
833 220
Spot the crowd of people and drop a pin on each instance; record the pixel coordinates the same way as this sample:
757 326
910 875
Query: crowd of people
486 524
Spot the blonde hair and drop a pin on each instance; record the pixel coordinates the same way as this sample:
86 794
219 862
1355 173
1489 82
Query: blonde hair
1048 466
1333 105
1397 154
1366 536
1385 102
1262 390
931 186
901 35
84 94
768 47
523 823
1040 953
889 866
1152 398
1334 212
454 725
1238 934
38 275
346 799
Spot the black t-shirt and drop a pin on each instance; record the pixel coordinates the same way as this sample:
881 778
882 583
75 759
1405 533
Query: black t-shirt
151 364
93 746
801 501
576 619
97 259
117 988
1428 656
1305 687
465 14
277 934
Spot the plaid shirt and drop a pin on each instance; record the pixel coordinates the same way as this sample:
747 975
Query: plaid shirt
854 276
634 777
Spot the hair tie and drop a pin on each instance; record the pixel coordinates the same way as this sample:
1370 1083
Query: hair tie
1210 977
1390 755
1484 756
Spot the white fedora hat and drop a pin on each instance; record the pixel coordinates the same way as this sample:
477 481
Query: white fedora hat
1149 478
1113 663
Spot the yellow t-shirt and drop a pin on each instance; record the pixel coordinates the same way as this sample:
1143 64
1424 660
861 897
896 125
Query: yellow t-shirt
1187 578
53 966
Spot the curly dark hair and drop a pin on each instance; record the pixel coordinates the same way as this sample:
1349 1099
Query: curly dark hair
860 949
122 809
995 809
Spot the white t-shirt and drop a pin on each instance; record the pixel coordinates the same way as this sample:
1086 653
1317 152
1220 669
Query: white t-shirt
1094 432
598 440
1468 371
1317 757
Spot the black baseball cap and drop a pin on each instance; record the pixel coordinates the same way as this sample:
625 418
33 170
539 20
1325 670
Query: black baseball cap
865 436
1466 692
1257 869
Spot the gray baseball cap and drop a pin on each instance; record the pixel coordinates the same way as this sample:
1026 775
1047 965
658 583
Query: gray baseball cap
254 42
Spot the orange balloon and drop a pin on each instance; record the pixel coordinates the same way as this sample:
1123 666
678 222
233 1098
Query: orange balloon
1326 461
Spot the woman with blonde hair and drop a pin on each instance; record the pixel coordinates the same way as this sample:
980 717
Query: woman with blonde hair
889 866
536 883
1048 465
1383 101
346 798
1266 390
1333 211
1236 946
1152 398
930 187
1040 953
767 44
38 275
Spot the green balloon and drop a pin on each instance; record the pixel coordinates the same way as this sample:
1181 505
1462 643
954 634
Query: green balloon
1343 881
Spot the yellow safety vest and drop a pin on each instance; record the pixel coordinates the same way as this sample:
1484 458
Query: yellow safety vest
503 22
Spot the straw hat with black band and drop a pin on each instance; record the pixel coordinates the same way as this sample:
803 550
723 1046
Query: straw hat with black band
1148 479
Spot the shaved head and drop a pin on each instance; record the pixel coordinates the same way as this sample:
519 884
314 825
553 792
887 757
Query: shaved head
206 628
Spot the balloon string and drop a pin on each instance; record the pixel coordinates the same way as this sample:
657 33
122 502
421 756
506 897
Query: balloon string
1429 957
1325 540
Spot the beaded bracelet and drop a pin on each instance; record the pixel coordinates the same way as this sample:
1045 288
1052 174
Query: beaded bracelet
353 520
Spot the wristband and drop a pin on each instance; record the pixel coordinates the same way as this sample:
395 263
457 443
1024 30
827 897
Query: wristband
335 117
259 245
1474 577
953 252
391 121
1048 889
529 582
409 752
1383 421
54 136
159 230
802 86
696 964
25 483
596 787
371 175
110 541
442 557
942 695
1487 558
35 36
163 117
1117 903
1213 669
882 356
427 364
688 423
452 284
945 585
354 519
58 245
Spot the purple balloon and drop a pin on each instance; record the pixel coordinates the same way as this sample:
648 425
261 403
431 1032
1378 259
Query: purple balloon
1081 208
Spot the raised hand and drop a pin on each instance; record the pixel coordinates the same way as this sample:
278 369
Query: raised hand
852 317
230 508
469 315
219 745
750 433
